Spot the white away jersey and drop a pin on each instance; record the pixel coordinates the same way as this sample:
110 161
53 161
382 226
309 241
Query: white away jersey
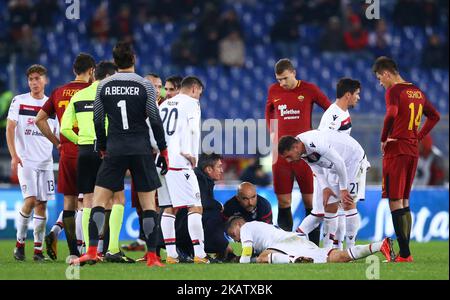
181 119
331 150
33 148
336 119
261 235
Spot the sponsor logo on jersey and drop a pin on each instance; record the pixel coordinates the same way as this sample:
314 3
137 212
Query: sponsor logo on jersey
84 106
33 132
335 117
312 145
301 98
187 176
30 121
346 124
288 113
28 110
276 100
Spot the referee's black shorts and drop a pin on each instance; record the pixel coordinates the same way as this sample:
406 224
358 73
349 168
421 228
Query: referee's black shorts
142 167
88 163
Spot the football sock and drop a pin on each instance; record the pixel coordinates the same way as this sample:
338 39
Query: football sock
195 228
39 232
115 224
79 229
361 251
309 223
96 223
285 220
278 258
340 232
58 226
141 239
149 224
168 230
69 226
101 243
22 227
106 232
159 235
352 223
314 234
408 216
329 229
85 224
400 227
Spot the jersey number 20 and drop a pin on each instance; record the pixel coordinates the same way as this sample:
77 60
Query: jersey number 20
169 116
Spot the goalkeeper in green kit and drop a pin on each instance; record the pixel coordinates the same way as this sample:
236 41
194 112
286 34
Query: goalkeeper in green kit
80 113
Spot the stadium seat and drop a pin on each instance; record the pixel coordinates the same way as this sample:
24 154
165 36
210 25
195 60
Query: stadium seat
247 86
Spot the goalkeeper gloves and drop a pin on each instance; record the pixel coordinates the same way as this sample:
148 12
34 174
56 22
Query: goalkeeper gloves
163 161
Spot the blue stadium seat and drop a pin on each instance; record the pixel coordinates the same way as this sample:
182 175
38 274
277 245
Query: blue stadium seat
247 87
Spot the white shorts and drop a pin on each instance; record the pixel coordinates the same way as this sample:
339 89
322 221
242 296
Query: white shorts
36 183
300 246
179 188
356 184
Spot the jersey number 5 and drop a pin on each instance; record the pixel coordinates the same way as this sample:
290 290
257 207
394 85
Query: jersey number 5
122 104
415 119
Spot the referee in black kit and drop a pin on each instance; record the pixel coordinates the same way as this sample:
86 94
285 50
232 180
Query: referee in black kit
127 100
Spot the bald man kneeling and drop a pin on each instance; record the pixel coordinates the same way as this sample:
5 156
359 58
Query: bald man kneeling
249 205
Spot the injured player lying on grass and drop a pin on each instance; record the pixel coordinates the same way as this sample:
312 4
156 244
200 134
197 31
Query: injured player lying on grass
275 246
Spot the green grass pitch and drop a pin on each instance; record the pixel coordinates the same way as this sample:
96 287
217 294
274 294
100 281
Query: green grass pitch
431 262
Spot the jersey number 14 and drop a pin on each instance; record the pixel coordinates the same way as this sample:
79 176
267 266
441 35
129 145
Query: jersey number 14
415 118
